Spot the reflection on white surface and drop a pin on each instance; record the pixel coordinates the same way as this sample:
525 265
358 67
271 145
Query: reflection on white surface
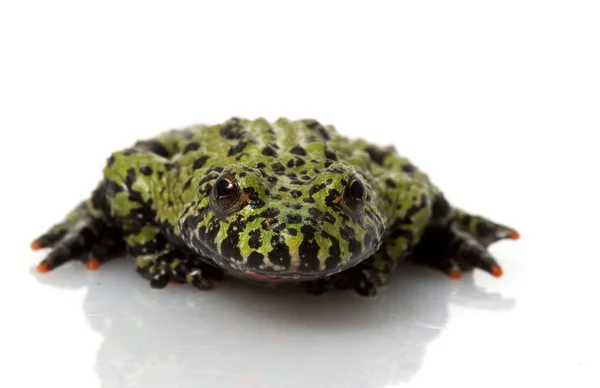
242 336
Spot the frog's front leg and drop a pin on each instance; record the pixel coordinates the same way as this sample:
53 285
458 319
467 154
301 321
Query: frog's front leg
458 242
81 235
161 262
130 191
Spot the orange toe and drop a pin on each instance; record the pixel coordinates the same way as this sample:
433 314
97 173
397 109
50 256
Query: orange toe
42 268
92 264
455 274
496 271
36 245
514 235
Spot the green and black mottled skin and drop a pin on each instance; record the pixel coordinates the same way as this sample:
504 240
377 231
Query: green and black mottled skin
281 202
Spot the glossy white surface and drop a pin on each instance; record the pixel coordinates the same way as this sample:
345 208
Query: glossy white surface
498 103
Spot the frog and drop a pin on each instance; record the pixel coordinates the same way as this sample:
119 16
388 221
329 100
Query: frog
281 202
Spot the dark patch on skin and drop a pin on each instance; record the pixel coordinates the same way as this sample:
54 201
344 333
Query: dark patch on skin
170 203
328 163
146 170
294 218
218 169
171 166
295 206
130 151
309 200
255 199
255 260
260 165
330 155
298 150
274 145
269 151
110 161
279 228
242 174
272 180
320 129
292 231
331 198
296 194
160 175
409 168
263 173
276 197
315 189
280 255
319 215
334 258
347 234
207 178
396 232
308 250
270 212
130 179
231 130
269 223
254 240
236 149
311 139
153 146
239 156
278 168
306 177
377 155
316 171
198 163
284 189
192 146
390 183
296 162
187 184
229 247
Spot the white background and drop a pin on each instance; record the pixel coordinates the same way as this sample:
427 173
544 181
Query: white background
498 101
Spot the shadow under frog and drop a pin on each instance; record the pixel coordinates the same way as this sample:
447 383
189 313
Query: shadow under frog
242 336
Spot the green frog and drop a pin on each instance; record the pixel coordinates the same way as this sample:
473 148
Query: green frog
281 202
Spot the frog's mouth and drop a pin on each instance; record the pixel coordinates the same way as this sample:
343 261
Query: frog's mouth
314 251
297 271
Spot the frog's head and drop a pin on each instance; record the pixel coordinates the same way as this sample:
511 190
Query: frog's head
278 226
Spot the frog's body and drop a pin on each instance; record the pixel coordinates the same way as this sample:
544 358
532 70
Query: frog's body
281 202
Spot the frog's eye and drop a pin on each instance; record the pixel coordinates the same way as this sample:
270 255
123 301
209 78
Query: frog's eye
226 197
354 196
224 187
356 190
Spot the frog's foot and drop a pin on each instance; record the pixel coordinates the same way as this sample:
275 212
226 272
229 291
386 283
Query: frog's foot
364 280
172 266
87 240
454 251
484 230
